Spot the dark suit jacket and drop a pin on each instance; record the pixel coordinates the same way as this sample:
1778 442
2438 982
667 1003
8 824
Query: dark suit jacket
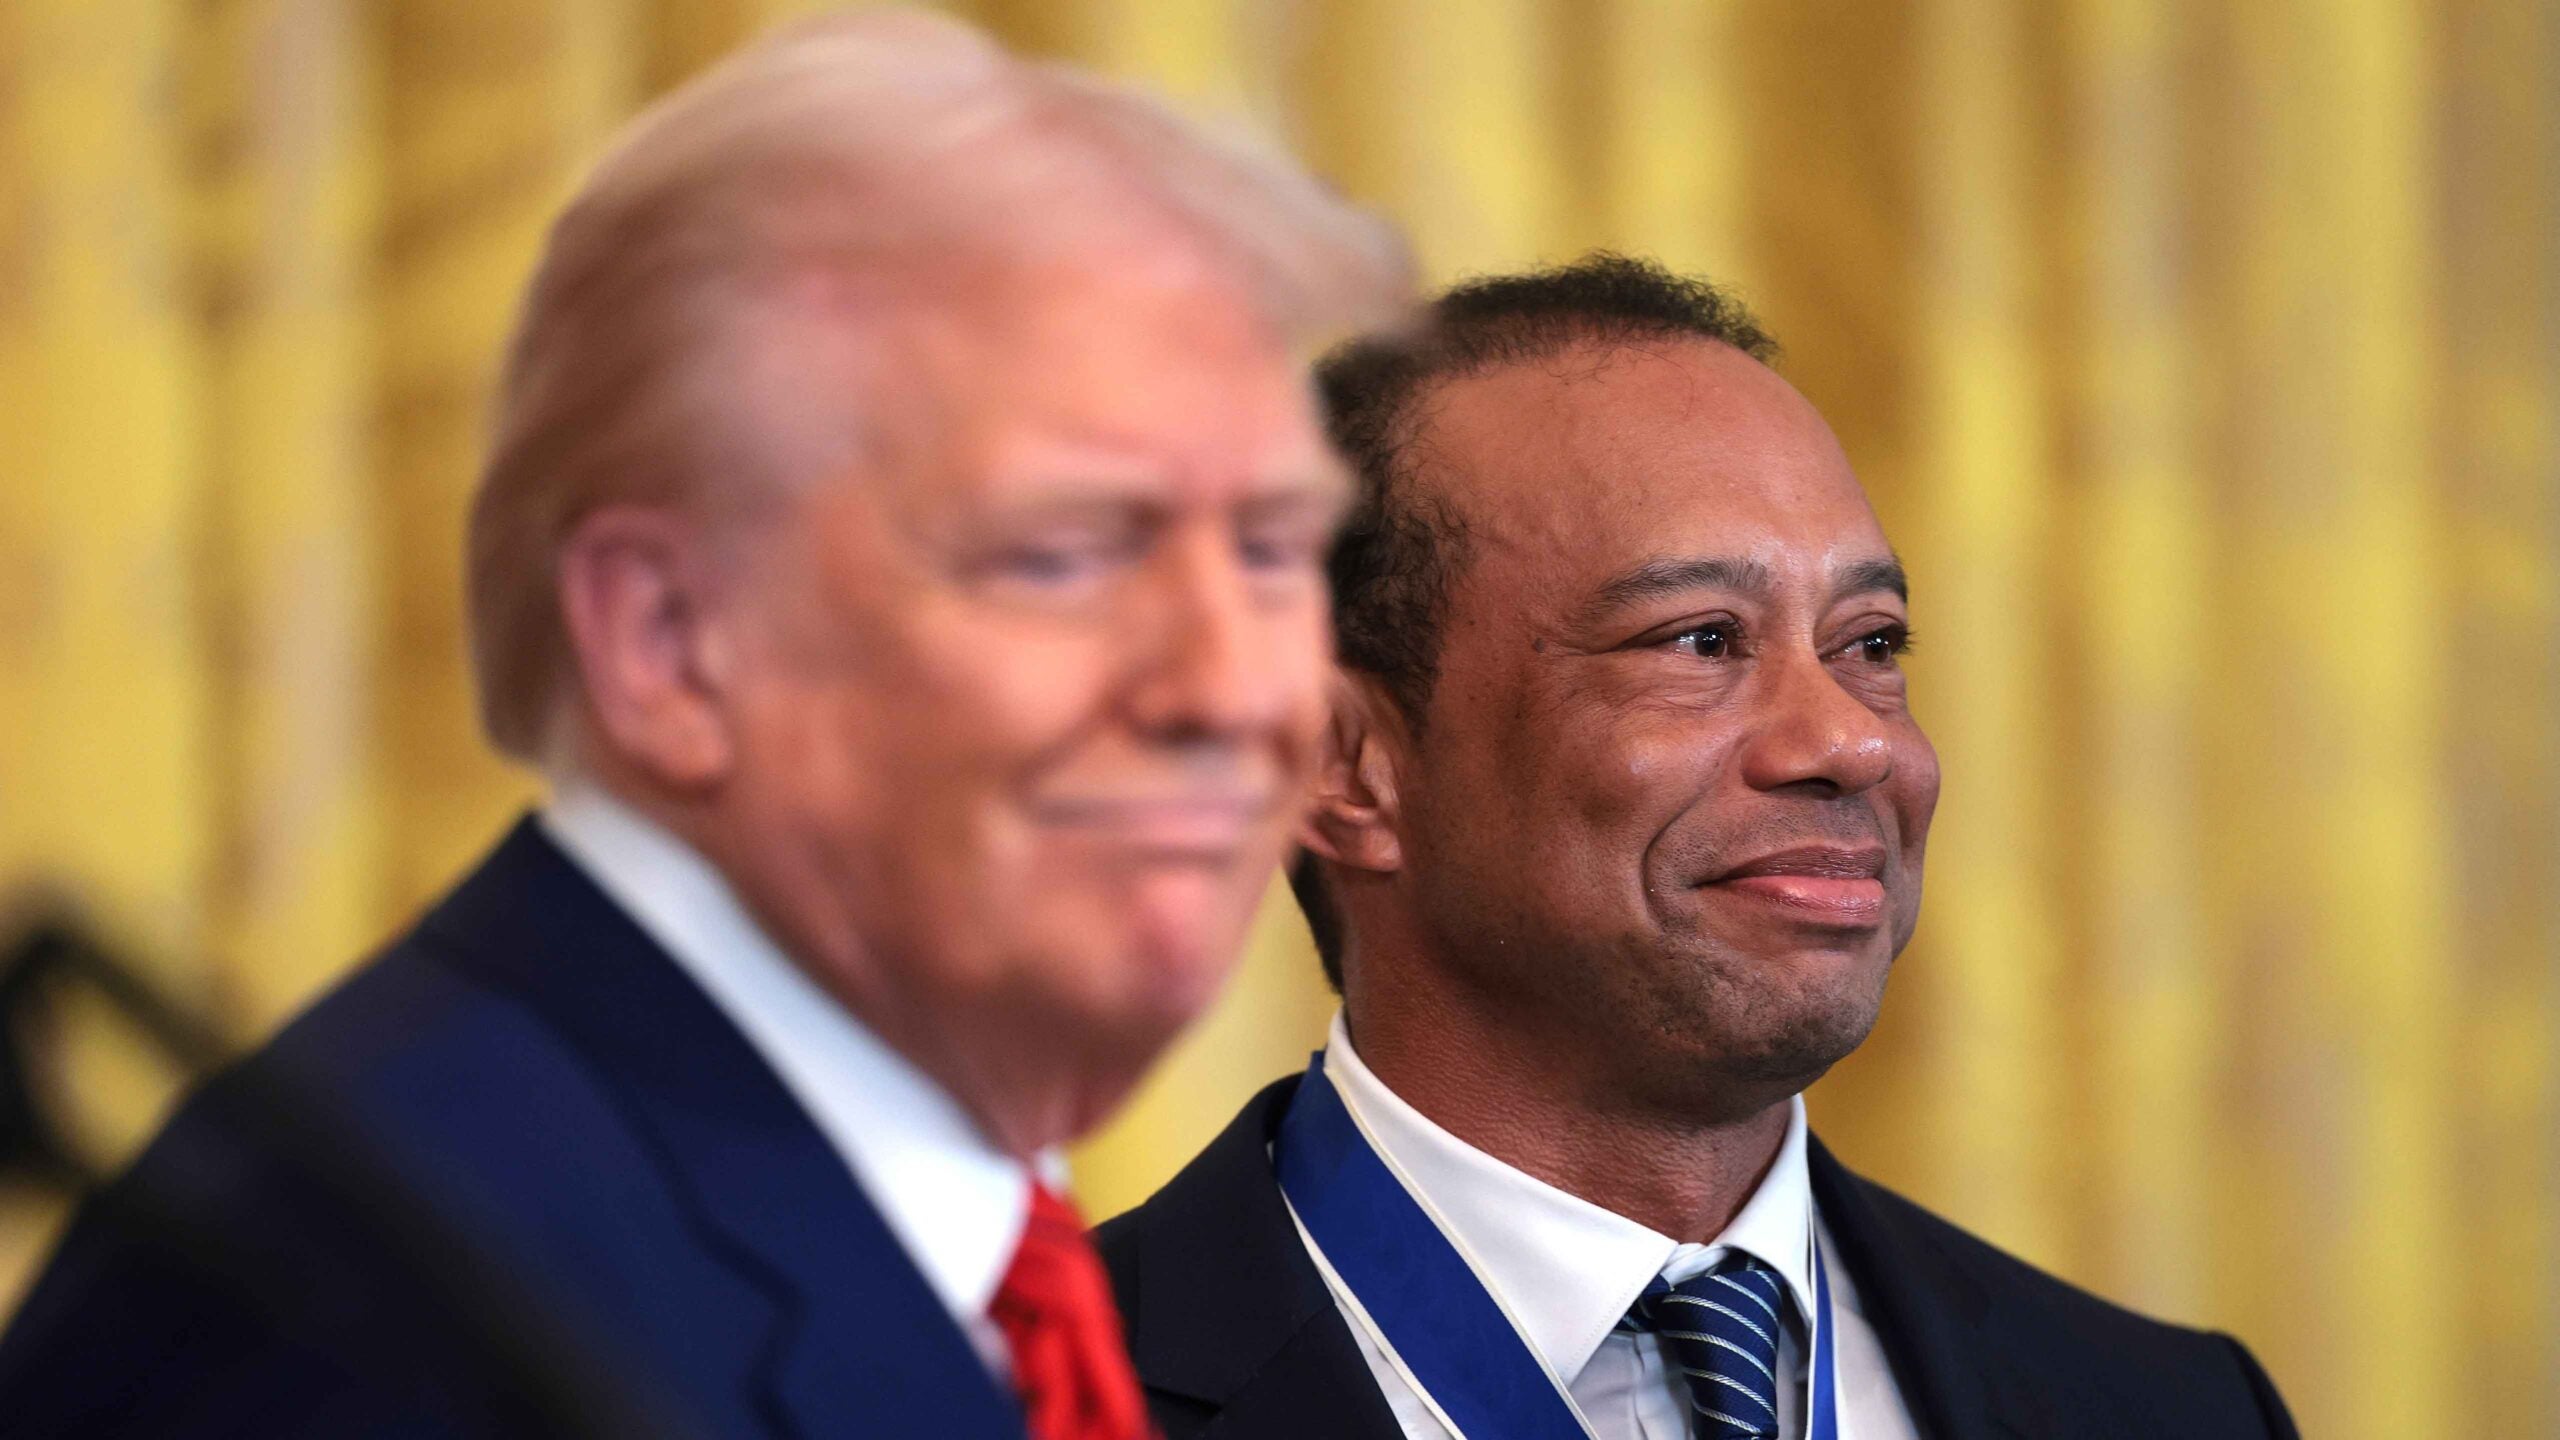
518 1149
1236 1336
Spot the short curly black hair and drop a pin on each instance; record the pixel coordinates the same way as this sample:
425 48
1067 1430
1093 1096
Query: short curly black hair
1401 549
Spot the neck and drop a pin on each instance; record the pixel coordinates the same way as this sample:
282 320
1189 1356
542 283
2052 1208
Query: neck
1026 1080
1531 1101
1028 1077
1027 1092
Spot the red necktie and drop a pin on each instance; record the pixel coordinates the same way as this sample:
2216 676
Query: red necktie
1069 1363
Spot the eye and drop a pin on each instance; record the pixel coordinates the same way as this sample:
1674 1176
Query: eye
1046 565
1882 647
1280 550
1712 641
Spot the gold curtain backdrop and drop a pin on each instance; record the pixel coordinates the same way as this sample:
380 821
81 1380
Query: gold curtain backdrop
2201 355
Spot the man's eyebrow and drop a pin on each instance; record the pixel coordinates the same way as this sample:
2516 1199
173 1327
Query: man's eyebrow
1866 575
1298 489
1656 579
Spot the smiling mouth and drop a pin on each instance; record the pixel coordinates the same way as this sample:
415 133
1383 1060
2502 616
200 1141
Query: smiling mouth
1835 886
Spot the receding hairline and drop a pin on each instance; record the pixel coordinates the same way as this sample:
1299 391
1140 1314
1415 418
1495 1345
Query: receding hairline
1560 346
1414 430
1655 576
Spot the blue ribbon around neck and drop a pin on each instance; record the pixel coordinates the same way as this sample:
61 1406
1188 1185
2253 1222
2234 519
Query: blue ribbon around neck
1427 1302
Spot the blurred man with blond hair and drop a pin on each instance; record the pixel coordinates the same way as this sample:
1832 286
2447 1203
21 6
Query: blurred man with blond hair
901 553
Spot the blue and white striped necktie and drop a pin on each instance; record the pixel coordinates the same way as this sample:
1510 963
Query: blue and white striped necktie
1720 1330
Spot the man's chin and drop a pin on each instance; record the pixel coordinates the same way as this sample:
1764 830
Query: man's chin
1772 1024
1184 930
1802 1048
1142 988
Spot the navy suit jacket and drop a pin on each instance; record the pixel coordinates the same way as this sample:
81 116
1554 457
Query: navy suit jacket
522 1125
1236 1336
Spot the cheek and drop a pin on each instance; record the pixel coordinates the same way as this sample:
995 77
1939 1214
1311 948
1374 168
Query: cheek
1300 652
907 761
1646 767
1580 793
984 701
1915 791
802 742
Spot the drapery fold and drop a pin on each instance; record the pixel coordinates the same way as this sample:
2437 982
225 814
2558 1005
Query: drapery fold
2202 357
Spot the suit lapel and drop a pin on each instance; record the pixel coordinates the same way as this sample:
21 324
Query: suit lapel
859 1342
1228 1315
1316 1383
1930 1316
1229 1319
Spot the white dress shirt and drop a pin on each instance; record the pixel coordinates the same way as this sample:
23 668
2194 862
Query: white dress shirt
954 1200
1567 1270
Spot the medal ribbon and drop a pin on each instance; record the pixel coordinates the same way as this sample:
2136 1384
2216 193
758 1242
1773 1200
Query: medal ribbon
1432 1311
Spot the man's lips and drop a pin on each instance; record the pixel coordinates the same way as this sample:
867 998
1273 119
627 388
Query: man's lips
1834 885
1209 825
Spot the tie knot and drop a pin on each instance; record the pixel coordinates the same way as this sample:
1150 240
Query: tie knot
1720 1331
1063 1331
1054 1220
1739 1283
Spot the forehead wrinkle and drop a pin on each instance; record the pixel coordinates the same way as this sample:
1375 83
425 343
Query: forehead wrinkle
1672 575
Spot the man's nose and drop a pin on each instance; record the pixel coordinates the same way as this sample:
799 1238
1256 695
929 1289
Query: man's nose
1204 669
1812 731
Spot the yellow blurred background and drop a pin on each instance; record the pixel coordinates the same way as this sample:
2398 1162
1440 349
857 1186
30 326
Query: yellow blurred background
2201 355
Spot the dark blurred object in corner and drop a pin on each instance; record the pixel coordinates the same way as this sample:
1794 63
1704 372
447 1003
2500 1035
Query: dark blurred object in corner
46 948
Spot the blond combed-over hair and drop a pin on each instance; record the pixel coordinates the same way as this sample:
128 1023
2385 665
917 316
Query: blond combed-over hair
867 146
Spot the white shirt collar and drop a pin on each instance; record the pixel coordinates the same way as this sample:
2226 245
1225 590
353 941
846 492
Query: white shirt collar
1566 1268
956 1201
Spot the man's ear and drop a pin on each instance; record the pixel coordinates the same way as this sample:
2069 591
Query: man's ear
1354 819
634 586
